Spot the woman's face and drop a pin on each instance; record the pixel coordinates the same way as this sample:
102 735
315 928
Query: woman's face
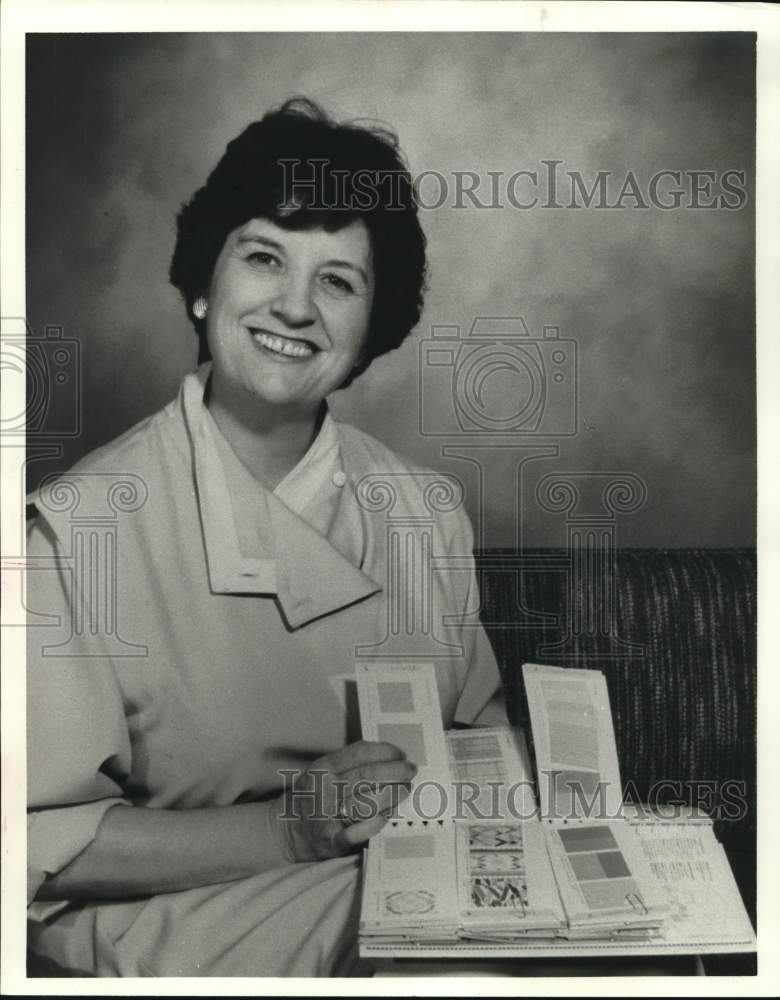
288 312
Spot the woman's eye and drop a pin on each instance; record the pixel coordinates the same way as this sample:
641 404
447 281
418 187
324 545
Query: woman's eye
262 258
339 283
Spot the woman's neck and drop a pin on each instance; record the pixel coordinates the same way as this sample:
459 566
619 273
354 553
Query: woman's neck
269 441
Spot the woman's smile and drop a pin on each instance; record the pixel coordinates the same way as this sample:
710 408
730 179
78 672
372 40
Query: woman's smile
282 348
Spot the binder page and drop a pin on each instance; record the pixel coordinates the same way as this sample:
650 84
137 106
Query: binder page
399 704
603 877
508 881
491 772
691 869
574 742
410 883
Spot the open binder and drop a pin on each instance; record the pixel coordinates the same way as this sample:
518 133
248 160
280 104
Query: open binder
473 863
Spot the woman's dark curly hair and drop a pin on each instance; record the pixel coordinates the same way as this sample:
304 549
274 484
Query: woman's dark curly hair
302 170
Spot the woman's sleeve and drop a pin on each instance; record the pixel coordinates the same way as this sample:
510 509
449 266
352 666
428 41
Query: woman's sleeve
78 745
481 701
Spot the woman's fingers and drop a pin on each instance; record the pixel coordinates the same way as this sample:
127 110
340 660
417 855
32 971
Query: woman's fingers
358 833
345 797
355 755
370 788
385 800
388 772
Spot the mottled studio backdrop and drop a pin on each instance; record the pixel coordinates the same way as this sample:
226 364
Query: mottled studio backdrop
660 302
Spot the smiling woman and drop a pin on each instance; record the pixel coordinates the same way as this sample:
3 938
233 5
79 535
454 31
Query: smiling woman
282 257
285 326
253 572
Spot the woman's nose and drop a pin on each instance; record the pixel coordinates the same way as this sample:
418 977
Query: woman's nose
293 302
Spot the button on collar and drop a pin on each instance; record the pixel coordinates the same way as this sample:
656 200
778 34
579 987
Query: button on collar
339 478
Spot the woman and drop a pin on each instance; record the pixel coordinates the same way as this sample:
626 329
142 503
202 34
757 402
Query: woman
251 573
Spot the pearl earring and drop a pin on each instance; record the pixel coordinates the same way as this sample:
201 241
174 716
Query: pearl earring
199 307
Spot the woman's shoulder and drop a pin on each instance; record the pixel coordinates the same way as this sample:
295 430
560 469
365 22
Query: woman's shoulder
124 452
367 455
114 473
385 479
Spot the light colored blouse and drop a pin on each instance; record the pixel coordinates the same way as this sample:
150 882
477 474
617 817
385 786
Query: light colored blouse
192 633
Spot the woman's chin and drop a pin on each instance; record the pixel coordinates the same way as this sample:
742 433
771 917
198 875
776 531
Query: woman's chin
273 395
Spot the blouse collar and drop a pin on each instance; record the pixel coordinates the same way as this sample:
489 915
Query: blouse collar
289 551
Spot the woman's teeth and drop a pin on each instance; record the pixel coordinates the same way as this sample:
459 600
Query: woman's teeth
280 345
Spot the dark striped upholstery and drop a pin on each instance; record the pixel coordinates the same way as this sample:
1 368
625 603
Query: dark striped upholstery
685 711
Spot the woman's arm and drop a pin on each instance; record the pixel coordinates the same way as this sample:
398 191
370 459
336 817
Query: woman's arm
141 851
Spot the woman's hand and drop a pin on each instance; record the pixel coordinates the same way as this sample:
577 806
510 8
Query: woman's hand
332 807
342 800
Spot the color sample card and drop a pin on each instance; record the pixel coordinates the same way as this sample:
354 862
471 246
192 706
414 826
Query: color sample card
499 892
498 837
399 704
587 838
496 863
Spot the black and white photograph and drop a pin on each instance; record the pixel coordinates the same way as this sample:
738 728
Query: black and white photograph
388 496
